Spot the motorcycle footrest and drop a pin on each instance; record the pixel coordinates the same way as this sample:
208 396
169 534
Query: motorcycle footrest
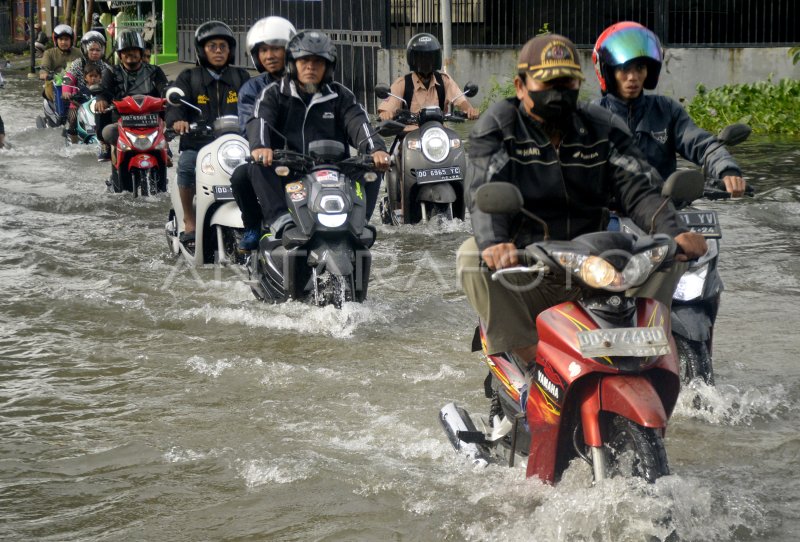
472 437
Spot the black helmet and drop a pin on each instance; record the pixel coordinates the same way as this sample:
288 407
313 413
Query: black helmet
424 53
211 30
130 39
311 43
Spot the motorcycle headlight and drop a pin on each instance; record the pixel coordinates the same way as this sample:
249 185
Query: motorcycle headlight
691 284
598 273
332 221
142 142
231 155
332 204
435 144
207 164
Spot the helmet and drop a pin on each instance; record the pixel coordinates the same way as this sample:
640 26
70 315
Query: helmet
621 43
424 53
311 43
130 39
211 30
64 30
89 37
275 31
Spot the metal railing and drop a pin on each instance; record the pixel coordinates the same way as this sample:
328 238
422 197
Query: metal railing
682 23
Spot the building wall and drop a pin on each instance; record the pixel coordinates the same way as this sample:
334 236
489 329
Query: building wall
683 69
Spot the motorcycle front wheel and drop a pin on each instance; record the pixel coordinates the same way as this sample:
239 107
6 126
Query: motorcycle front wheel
334 290
437 211
634 450
695 360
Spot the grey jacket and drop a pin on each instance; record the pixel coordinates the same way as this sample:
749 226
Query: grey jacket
661 128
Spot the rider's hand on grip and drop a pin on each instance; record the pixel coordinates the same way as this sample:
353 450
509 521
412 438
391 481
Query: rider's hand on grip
502 255
691 246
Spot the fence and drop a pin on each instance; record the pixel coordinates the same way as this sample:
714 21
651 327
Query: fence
686 23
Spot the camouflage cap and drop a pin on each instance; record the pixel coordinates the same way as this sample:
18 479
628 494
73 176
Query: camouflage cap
549 56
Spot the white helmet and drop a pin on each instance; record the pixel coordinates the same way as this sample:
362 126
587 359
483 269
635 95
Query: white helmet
275 31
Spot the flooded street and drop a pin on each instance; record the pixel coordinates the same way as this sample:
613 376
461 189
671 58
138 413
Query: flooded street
141 399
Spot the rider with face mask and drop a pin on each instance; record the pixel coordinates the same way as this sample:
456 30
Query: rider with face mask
266 41
627 59
568 160
307 105
425 86
212 86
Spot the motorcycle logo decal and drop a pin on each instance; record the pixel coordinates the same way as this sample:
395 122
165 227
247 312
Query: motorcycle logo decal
359 193
327 175
232 97
661 136
546 385
298 196
294 187
202 99
574 369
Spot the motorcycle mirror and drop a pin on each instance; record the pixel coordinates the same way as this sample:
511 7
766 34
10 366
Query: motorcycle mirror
174 95
734 134
470 89
498 198
684 186
388 128
382 91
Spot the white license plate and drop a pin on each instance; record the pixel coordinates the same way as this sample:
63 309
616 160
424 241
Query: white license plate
629 341
223 193
447 173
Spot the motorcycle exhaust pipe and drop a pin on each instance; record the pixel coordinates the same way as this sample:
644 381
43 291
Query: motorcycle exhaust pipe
462 433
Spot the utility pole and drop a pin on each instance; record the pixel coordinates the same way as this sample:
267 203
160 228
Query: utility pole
32 33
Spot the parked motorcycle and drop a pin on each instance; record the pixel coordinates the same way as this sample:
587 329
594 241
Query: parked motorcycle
426 178
696 300
141 150
217 216
605 379
324 256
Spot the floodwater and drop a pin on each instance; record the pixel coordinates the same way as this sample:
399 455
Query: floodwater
144 400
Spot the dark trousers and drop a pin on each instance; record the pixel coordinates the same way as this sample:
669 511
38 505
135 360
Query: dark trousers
245 196
101 121
269 188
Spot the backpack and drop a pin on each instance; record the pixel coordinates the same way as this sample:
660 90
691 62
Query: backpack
408 93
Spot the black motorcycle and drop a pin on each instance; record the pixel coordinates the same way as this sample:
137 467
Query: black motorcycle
428 165
323 257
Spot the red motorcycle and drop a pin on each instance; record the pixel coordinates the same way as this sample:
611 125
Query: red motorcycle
605 380
141 151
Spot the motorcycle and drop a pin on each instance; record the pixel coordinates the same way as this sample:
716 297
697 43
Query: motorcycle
324 257
86 127
141 150
605 379
427 174
218 219
696 300
54 113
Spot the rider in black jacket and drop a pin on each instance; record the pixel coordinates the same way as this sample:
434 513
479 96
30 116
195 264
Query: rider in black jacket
568 162
131 76
306 105
213 87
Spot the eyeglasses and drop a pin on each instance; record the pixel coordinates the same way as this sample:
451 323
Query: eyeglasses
221 47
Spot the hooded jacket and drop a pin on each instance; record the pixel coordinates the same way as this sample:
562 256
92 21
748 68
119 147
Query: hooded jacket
661 128
248 95
569 187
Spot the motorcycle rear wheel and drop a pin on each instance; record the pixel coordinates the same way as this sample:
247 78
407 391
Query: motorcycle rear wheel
438 211
634 450
695 360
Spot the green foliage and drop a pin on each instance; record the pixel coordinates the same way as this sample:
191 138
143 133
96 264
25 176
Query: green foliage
498 91
545 29
767 107
794 54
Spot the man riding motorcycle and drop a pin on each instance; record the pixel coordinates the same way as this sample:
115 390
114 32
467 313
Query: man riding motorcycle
213 86
57 58
131 76
425 85
304 106
522 141
627 59
266 42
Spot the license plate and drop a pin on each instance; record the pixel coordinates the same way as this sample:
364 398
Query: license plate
449 173
140 121
637 342
703 222
223 193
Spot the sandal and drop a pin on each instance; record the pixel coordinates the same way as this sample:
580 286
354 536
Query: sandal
187 240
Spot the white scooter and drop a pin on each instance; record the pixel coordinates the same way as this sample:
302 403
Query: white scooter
217 216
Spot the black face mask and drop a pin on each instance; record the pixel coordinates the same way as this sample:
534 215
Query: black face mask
554 105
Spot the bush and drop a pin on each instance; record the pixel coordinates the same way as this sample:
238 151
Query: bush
767 107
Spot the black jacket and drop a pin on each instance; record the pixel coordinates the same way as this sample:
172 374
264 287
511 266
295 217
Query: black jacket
2 126
661 128
119 82
216 98
332 113
569 187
